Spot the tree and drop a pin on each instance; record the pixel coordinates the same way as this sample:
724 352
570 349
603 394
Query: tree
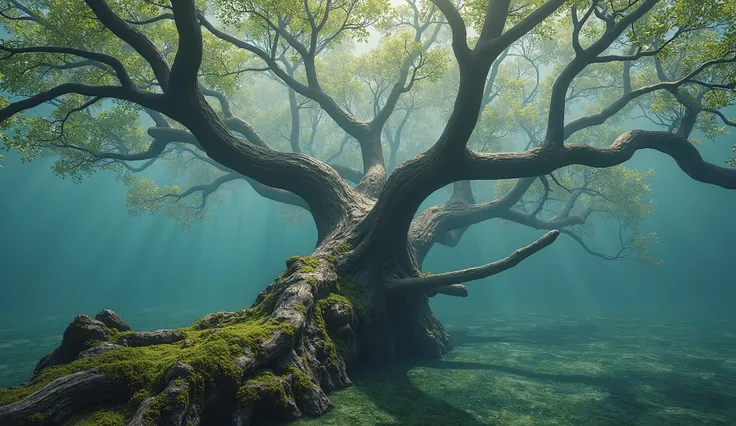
207 80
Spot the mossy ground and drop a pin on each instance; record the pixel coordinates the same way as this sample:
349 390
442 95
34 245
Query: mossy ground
531 371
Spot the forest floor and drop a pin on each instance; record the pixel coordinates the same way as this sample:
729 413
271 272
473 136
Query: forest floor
520 370
541 370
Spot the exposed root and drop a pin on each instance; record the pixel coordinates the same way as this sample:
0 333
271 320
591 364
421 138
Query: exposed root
64 396
277 358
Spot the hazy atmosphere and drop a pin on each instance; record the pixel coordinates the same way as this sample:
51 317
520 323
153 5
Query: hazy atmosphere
405 212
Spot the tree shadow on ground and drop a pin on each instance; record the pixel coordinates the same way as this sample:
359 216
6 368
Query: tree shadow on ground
389 387
678 389
539 335
656 387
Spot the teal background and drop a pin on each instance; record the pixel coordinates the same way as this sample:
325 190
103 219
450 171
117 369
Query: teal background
73 248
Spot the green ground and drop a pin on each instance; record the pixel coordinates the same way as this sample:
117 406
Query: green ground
531 370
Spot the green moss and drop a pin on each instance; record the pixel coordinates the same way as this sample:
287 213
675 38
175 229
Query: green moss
265 382
299 307
143 368
140 396
337 299
325 342
340 250
300 380
105 417
343 248
305 265
33 419
153 414
182 399
347 294
247 395
313 283
309 264
211 355
163 404
352 291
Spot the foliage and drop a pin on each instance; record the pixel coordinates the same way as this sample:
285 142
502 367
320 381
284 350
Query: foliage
359 53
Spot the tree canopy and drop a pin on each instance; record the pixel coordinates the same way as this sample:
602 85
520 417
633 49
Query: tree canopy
362 86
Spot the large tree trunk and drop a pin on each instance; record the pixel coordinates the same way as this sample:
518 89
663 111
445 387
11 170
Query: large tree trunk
326 314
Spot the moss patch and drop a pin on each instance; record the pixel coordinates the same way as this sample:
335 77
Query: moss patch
309 264
155 411
303 264
313 283
351 291
299 307
348 296
324 342
33 419
339 251
105 417
300 380
144 368
264 382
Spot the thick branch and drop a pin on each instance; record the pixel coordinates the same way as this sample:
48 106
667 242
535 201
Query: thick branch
497 44
348 173
457 27
544 160
136 39
148 100
456 290
324 191
416 179
113 62
583 58
436 225
533 221
472 274
274 194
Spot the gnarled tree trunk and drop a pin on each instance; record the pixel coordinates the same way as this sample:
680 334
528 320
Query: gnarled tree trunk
360 297
324 315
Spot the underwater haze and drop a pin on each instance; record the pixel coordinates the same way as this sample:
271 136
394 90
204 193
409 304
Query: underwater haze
367 212
568 339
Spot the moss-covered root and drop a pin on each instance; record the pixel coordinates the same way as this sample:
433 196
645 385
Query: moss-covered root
175 405
286 391
276 358
65 395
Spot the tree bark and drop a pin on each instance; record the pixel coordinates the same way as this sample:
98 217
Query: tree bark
323 316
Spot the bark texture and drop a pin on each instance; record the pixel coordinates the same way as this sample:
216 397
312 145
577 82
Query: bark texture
278 358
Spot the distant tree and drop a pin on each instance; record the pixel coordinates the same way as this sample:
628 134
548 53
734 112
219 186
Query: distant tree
546 98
